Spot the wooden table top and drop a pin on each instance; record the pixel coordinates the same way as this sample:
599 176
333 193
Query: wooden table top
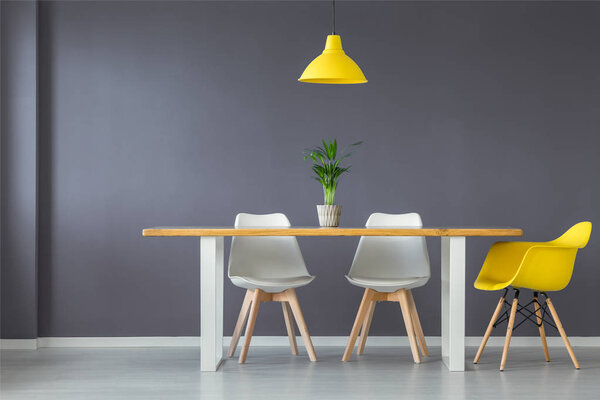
339 231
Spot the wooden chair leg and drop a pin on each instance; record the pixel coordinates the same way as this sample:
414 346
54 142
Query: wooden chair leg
360 316
509 328
289 325
563 334
490 328
417 322
540 321
406 314
239 326
256 298
297 311
364 333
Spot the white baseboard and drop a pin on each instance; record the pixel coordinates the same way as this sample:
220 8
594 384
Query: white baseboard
127 341
272 341
18 344
531 341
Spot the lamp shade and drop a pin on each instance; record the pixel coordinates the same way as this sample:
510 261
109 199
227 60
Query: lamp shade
333 66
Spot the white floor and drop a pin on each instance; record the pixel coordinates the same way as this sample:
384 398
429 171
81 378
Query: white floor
272 373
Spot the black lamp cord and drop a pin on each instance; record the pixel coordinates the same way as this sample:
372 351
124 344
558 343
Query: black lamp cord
333 16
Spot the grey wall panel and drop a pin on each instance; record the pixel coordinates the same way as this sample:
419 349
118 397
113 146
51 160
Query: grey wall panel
19 170
187 113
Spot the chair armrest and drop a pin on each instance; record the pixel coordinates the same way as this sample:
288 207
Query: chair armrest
546 267
502 264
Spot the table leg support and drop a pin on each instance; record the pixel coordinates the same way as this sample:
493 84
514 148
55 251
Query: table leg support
211 302
453 302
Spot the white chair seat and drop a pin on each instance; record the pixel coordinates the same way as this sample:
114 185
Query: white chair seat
387 264
272 264
387 285
271 285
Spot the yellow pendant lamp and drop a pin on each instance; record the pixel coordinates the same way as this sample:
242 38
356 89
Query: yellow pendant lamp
333 66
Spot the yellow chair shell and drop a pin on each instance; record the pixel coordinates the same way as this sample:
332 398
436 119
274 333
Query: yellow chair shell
541 266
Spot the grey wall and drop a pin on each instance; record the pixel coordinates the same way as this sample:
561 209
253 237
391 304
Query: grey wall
18 246
187 113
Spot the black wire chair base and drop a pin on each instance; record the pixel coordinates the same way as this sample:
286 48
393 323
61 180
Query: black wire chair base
526 312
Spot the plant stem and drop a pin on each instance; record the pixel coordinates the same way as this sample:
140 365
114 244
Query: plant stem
329 194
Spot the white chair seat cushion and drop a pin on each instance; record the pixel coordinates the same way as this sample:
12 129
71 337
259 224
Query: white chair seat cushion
271 285
387 285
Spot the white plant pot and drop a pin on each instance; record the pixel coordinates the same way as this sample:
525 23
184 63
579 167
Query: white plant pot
329 215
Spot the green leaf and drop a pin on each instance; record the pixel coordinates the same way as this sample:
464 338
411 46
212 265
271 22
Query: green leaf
326 165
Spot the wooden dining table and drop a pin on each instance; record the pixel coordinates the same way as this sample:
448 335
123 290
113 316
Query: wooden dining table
212 275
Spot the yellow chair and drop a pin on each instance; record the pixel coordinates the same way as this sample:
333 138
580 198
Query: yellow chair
539 266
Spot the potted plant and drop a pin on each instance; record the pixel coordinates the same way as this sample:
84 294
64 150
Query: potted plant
328 170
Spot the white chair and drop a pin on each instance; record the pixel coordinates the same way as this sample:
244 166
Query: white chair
269 268
388 268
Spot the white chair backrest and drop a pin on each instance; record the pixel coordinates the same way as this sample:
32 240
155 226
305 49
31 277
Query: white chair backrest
265 256
394 257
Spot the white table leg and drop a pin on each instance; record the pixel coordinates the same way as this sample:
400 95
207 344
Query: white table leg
453 302
211 302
